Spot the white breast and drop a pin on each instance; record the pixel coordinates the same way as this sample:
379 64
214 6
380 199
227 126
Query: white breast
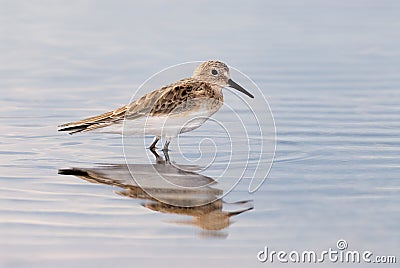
164 126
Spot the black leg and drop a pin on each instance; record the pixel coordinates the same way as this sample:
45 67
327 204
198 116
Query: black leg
153 144
159 159
166 156
167 144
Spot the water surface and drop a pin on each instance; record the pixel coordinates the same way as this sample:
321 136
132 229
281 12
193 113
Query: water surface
330 71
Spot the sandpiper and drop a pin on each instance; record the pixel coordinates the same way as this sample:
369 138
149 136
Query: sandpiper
168 111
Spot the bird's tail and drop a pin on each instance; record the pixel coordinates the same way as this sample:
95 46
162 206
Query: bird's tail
90 123
73 127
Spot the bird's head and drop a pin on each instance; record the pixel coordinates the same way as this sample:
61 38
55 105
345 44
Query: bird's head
217 72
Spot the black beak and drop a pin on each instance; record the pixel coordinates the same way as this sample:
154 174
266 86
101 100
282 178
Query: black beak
232 84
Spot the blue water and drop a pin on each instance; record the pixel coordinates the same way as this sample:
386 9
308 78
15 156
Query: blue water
330 71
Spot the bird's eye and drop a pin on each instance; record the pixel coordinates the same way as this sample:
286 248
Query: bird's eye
214 72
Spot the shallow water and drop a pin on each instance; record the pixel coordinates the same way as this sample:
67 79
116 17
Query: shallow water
330 72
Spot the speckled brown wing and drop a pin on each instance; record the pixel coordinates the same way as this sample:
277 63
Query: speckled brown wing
161 101
177 97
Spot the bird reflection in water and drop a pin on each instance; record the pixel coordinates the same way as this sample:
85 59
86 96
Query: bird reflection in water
202 204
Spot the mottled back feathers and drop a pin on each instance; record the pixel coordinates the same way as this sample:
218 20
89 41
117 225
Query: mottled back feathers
172 99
